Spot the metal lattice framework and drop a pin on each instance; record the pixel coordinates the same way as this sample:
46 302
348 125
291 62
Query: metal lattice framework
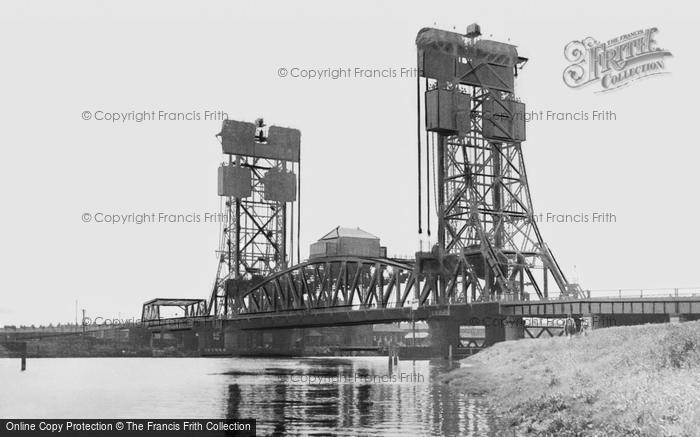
351 283
487 208
489 246
189 307
253 245
483 201
259 226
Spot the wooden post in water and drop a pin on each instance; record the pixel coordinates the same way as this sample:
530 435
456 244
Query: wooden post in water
23 355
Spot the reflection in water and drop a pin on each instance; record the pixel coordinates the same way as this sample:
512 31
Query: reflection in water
353 396
350 396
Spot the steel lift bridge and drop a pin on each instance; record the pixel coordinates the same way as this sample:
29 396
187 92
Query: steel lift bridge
470 131
489 246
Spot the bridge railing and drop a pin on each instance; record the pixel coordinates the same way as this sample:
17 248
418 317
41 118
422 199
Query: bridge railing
631 293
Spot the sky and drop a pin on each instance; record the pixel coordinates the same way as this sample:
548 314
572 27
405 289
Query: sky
358 138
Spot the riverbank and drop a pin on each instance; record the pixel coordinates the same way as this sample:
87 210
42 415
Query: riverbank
631 380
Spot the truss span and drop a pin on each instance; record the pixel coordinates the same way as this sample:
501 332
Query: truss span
351 282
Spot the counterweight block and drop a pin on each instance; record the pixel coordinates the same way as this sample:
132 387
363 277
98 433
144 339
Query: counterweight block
280 185
234 181
447 112
504 119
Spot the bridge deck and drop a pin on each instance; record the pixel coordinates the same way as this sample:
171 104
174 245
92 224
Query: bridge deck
608 306
309 318
467 314
347 317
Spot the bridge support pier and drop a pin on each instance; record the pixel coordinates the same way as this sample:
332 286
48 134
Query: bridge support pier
259 342
235 339
282 341
515 328
208 337
443 334
504 329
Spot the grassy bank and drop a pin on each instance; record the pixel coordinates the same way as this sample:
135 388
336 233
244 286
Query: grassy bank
632 380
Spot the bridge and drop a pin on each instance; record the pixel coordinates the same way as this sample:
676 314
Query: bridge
502 320
490 265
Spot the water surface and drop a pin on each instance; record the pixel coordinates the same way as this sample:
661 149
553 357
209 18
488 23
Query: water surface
343 396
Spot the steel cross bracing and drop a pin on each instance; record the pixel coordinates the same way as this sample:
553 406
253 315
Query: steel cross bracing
487 210
261 227
253 244
348 283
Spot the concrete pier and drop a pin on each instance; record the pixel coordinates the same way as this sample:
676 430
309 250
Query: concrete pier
443 334
514 328
504 329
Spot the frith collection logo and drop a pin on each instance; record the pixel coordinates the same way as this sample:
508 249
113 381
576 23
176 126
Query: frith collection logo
615 63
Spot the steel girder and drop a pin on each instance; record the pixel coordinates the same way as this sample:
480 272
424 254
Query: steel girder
190 307
350 282
253 244
486 209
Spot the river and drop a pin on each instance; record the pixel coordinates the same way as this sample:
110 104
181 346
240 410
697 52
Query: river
287 396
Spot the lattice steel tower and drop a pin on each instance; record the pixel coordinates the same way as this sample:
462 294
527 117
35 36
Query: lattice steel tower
473 128
258 183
